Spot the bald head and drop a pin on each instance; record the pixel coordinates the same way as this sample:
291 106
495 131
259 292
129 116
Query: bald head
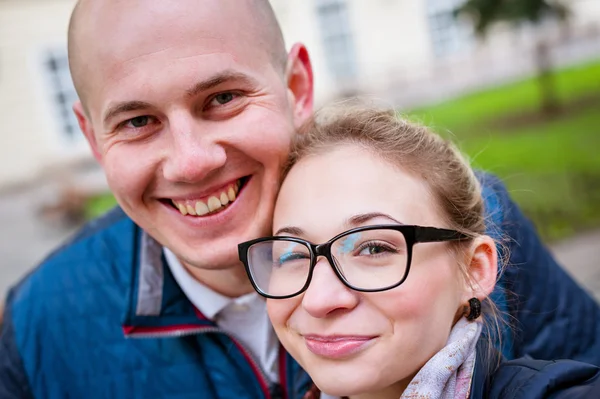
95 27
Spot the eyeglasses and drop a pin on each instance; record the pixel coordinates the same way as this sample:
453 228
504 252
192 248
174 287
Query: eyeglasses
367 259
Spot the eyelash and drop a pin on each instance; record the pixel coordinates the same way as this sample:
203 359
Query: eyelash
385 246
235 94
123 125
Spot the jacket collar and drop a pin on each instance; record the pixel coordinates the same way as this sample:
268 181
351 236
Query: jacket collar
486 363
156 304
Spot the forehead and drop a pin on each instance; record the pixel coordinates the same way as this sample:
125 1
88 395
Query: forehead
127 28
151 41
323 191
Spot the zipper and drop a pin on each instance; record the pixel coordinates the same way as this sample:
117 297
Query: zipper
248 354
254 363
167 334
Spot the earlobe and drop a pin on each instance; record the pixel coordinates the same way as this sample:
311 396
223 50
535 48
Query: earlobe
483 267
86 127
299 78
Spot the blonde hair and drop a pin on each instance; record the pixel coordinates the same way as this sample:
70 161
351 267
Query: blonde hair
415 149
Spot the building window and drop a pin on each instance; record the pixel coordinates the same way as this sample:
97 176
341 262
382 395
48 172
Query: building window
448 34
336 34
62 93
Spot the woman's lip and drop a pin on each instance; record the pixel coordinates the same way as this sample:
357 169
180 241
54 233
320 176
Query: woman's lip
337 347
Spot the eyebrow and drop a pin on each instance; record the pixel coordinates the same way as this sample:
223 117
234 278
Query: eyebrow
126 106
219 79
212 82
350 222
291 230
365 217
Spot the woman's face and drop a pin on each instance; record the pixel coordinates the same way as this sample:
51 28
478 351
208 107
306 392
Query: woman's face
352 342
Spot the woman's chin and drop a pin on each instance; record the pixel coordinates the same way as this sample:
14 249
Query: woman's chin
341 387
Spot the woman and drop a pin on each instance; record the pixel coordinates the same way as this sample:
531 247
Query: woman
379 271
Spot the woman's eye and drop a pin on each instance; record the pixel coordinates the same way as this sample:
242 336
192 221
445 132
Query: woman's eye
224 98
374 250
289 257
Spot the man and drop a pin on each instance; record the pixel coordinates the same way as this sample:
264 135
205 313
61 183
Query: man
190 106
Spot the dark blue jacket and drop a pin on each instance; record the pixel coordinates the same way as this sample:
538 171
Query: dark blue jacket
535 379
103 318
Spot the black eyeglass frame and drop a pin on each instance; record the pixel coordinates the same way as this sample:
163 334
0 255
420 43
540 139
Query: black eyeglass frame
412 234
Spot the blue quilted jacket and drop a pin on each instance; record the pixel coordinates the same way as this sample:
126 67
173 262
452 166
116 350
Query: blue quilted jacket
526 378
103 317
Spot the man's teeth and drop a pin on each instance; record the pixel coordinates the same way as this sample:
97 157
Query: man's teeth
212 204
201 208
224 199
182 208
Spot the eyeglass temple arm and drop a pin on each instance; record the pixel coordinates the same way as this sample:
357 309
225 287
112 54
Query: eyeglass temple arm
433 234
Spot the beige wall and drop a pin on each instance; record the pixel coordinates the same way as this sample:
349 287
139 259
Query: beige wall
390 36
30 140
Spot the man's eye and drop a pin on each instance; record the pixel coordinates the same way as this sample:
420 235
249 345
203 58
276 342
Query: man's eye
224 98
139 121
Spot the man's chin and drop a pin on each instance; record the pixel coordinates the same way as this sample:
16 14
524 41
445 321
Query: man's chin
224 274
209 259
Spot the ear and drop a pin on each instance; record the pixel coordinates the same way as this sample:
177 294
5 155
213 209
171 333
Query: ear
86 127
483 268
299 77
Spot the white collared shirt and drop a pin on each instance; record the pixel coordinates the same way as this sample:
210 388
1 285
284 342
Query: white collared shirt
244 317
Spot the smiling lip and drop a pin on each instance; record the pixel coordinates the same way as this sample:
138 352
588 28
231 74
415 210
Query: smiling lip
337 347
211 219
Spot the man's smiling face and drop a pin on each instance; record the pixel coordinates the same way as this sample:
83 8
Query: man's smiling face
191 118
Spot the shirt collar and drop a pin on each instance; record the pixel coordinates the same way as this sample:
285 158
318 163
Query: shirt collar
207 301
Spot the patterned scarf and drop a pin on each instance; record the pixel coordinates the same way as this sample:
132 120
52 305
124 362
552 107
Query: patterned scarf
448 374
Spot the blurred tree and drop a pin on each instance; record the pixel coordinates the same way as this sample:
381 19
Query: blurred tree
486 13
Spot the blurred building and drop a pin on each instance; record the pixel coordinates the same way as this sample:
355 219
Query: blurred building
38 132
412 52
405 52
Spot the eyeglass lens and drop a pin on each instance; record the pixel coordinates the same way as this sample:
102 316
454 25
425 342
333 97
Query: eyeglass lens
369 260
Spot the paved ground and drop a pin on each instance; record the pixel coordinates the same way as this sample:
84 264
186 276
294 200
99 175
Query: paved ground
25 238
581 257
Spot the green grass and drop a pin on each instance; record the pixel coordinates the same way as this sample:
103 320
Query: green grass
550 166
552 170
98 205
473 110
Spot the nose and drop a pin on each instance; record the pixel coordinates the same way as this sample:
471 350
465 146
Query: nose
326 294
194 152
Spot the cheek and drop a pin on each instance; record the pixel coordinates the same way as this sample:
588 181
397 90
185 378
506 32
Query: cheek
281 310
429 296
266 136
282 313
128 171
